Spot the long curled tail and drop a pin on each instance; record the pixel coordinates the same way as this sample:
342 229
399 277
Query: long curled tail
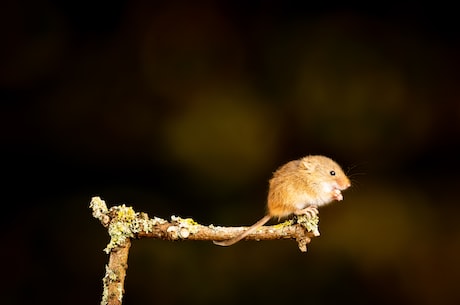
250 230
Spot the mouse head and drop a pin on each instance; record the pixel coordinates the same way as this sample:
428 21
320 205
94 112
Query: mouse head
327 176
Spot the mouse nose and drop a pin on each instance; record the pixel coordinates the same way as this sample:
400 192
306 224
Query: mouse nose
346 184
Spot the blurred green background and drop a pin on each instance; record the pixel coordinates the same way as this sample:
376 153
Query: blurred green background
186 109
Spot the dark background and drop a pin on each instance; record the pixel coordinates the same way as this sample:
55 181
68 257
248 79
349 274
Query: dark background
186 109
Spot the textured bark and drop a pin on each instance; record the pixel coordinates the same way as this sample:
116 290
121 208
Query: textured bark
124 224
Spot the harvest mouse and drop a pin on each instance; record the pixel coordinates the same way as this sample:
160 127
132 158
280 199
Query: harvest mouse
300 187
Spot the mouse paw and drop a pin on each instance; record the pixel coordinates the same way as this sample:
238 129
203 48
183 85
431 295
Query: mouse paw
337 195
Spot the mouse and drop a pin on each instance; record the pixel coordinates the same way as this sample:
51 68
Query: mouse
300 187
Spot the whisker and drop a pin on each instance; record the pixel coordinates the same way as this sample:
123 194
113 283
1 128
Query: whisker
352 174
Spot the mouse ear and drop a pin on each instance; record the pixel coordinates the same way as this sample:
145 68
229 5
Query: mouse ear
307 164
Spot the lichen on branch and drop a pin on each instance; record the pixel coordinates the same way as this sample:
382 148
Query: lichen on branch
124 224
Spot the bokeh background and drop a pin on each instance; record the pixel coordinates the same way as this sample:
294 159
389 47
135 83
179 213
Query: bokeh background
185 108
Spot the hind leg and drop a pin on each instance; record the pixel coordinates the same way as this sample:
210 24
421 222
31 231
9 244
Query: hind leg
311 211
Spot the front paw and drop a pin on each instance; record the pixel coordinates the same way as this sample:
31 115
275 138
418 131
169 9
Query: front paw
337 195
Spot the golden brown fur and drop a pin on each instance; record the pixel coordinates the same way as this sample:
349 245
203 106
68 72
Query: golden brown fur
300 187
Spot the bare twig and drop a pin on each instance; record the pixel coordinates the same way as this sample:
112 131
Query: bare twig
124 224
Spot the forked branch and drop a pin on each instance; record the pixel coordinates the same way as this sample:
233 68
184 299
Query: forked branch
124 224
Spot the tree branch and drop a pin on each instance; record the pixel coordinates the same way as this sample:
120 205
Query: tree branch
124 224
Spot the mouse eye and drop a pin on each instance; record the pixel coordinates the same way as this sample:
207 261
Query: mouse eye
332 173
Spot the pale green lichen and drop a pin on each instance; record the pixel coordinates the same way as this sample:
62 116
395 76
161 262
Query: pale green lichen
119 232
120 291
105 296
99 209
127 223
183 227
145 224
110 276
120 227
309 223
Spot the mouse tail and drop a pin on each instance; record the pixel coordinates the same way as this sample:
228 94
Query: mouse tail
250 230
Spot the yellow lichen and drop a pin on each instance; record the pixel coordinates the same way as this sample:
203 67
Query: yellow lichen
126 223
183 228
286 223
190 221
125 213
121 226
